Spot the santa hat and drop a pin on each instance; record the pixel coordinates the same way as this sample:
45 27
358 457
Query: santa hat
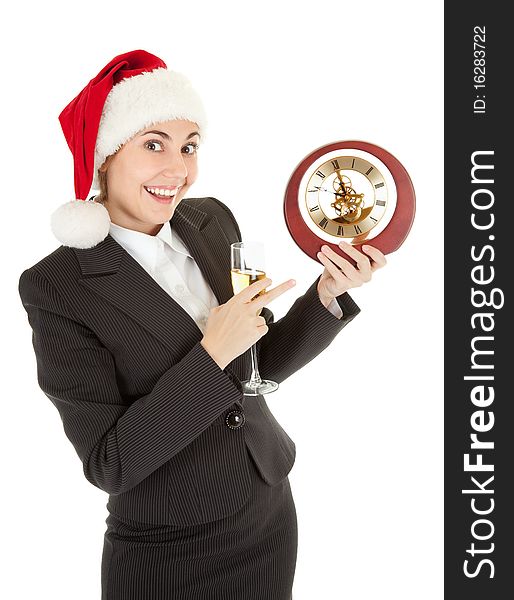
132 92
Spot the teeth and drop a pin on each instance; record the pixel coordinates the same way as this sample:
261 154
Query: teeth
160 192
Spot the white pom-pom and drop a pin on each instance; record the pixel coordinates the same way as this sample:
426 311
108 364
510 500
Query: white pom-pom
80 223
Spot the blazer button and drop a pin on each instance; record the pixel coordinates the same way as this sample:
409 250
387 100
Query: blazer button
235 419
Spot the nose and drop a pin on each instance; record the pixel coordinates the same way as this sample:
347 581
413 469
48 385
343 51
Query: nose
176 168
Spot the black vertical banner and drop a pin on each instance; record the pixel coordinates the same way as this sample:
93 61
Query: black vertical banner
479 262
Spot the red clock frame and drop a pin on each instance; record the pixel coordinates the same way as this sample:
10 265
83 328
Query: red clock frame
388 240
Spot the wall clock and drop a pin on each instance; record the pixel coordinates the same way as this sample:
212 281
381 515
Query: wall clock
353 191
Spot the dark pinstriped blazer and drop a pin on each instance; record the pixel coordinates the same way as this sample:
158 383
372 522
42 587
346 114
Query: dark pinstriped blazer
141 400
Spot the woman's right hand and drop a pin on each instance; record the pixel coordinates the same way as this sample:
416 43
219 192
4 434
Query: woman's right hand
235 326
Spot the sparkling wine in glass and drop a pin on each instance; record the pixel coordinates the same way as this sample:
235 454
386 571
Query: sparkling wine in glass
247 266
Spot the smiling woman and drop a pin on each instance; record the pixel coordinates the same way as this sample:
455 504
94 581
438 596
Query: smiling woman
142 345
132 93
145 179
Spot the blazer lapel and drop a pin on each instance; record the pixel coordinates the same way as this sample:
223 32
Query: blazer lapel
111 272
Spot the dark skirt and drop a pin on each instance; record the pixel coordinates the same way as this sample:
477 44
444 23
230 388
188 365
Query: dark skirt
250 555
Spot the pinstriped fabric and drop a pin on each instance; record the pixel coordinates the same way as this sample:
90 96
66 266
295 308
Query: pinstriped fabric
275 359
135 440
250 555
145 407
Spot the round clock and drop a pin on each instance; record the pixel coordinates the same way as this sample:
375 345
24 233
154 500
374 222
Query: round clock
352 191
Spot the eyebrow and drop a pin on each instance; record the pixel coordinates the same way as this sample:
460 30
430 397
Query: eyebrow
167 137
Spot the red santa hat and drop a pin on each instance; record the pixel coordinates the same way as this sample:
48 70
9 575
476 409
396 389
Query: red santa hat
133 91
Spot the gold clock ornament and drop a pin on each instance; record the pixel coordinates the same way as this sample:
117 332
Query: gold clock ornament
353 191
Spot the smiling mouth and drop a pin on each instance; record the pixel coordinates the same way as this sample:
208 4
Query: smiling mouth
163 192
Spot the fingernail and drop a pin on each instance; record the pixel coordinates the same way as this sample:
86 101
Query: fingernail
292 282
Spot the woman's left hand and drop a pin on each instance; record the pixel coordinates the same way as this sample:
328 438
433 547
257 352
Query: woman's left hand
340 275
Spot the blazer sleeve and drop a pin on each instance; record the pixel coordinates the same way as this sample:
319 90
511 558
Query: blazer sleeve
118 444
303 332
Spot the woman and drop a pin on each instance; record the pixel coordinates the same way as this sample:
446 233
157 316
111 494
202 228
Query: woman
142 345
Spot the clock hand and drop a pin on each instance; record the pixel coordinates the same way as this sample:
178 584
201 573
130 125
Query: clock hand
346 195
340 178
322 189
330 191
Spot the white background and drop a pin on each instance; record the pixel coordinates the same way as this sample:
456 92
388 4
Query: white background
278 80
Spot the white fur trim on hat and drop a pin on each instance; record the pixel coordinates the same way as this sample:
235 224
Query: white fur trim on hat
80 223
140 101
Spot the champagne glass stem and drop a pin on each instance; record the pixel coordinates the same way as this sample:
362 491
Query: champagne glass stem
256 378
247 266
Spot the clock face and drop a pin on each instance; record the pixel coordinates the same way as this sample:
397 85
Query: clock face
351 191
347 194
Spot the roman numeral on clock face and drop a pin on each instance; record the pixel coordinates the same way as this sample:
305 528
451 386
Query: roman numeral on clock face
357 229
323 222
381 203
314 208
379 185
369 170
320 174
335 164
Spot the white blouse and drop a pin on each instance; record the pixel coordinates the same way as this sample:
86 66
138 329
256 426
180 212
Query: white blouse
165 258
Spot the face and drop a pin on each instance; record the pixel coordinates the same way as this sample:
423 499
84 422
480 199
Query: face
160 157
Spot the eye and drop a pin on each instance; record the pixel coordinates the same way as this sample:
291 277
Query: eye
152 143
195 147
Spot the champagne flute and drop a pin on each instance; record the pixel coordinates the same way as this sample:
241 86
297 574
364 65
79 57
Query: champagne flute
247 266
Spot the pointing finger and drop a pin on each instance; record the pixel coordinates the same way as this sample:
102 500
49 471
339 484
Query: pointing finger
270 295
246 294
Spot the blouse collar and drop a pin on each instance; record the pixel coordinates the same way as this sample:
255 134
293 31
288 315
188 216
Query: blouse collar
146 247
